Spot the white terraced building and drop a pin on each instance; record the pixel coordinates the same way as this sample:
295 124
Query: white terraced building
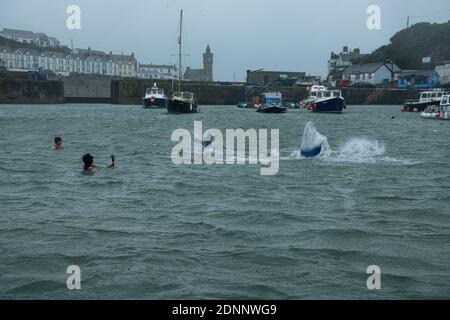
63 63
47 53
157 71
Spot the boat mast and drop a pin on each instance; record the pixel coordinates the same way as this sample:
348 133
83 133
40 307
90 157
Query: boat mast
180 73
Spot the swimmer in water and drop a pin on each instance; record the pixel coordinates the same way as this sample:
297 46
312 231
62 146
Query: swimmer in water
88 161
89 165
58 145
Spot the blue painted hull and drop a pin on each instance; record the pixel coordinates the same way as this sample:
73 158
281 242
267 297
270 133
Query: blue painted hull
333 105
311 153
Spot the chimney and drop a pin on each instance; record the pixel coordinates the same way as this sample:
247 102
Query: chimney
356 50
345 49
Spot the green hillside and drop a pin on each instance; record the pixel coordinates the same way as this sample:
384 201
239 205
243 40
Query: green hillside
409 46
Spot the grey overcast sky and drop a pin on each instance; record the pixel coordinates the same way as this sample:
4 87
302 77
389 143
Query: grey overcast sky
288 35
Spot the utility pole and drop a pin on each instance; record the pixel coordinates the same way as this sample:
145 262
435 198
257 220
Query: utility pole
407 23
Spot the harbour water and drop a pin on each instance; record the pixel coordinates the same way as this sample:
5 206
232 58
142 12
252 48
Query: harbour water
150 229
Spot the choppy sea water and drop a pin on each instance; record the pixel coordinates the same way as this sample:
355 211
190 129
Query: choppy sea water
150 229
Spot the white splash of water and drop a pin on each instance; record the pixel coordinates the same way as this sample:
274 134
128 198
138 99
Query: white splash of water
354 150
312 139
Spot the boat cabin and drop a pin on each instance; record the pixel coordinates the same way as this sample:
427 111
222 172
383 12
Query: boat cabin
433 95
445 102
184 96
154 92
273 97
321 94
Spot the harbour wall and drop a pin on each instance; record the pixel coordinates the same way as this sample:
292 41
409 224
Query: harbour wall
79 88
131 91
16 88
23 91
366 96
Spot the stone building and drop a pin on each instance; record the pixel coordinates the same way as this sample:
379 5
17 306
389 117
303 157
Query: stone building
205 74
338 63
259 77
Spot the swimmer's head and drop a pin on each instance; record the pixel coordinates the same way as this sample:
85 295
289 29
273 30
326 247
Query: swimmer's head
58 141
88 161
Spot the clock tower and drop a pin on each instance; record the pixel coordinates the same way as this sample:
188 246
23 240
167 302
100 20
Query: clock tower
208 64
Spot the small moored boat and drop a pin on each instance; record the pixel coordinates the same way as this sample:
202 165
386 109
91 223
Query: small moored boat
321 99
272 103
427 98
242 105
440 112
181 102
154 98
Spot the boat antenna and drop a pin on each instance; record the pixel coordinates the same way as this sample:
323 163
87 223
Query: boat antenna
180 73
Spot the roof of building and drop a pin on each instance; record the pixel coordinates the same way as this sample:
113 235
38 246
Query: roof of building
54 39
19 33
276 72
124 58
368 68
409 73
349 56
158 66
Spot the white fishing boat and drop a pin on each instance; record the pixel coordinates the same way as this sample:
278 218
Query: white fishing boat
321 99
154 98
440 112
427 98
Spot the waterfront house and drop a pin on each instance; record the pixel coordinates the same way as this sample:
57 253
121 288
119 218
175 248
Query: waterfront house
374 73
341 61
418 79
444 73
157 71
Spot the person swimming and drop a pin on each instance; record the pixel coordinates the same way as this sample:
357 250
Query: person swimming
58 145
89 165
88 161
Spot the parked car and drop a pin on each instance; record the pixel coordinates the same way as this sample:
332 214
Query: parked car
342 83
366 85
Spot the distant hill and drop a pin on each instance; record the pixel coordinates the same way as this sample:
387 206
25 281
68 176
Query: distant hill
409 46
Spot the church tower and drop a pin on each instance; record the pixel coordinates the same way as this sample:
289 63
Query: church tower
208 64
